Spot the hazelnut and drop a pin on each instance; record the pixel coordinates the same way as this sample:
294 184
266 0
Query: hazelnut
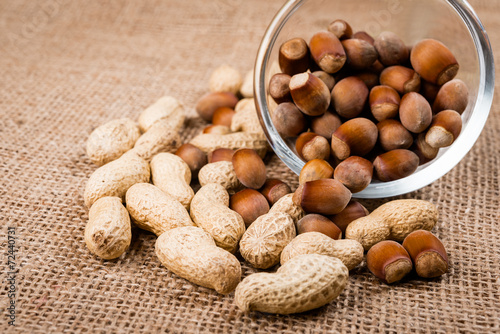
193 156
388 261
326 78
310 94
395 164
357 136
424 151
340 28
349 97
288 120
427 253
364 36
428 90
274 189
327 51
402 79
220 154
360 54
318 223
217 129
433 61
311 146
210 102
352 211
444 129
223 116
369 78
325 196
355 173
279 88
315 169
415 112
250 204
453 95
294 56
391 49
249 168
393 135
384 102
326 124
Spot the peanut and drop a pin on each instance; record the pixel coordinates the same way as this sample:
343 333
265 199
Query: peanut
166 107
172 175
265 238
210 211
110 140
221 172
393 221
155 211
286 205
162 136
191 253
304 283
108 232
225 79
210 142
114 178
350 252
246 88
245 119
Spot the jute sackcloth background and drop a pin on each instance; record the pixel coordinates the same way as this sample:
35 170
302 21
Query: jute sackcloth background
69 66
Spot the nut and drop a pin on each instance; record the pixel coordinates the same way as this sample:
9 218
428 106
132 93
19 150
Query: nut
402 79
352 211
357 136
434 61
220 154
209 103
394 221
325 196
315 169
395 164
220 172
384 102
415 112
429 91
310 94
114 178
294 56
350 252
326 78
217 129
154 210
355 173
109 141
288 120
210 211
327 51
191 253
349 97
225 79
246 118
250 204
304 283
393 135
427 253
444 129
160 137
369 78
223 116
263 241
424 151
274 189
310 146
364 36
166 107
193 156
246 89
326 124
210 142
172 176
249 168
279 88
318 223
108 232
388 261
286 205
452 95
360 54
341 29
391 49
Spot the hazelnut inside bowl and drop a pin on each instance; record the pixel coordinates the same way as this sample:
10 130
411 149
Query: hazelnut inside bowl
453 23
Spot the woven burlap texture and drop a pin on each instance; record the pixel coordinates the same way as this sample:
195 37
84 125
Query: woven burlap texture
69 66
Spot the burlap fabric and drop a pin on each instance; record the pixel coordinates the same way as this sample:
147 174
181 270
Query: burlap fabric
69 66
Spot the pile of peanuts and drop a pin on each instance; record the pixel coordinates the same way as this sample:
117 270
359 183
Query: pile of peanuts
146 177
365 104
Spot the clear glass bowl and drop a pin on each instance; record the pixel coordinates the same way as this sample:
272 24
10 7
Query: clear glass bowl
452 22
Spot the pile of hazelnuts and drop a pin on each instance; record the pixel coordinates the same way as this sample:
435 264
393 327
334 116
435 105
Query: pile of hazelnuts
371 108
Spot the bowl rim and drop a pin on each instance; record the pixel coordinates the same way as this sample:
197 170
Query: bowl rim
448 158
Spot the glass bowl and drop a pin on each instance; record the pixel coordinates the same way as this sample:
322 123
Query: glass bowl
452 22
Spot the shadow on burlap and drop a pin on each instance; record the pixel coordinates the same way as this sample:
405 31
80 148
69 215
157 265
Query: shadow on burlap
67 67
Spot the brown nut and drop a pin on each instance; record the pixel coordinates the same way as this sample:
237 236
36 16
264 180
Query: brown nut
326 124
355 173
352 211
274 189
318 223
349 97
453 95
314 170
424 151
220 154
193 156
325 196
250 204
310 94
279 88
357 136
340 28
391 49
327 51
369 78
360 54
209 103
402 79
223 116
364 36
311 146
217 129
434 61
388 261
427 253
384 102
395 164
393 135
326 78
294 56
428 90
249 168
444 129
415 112
288 120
